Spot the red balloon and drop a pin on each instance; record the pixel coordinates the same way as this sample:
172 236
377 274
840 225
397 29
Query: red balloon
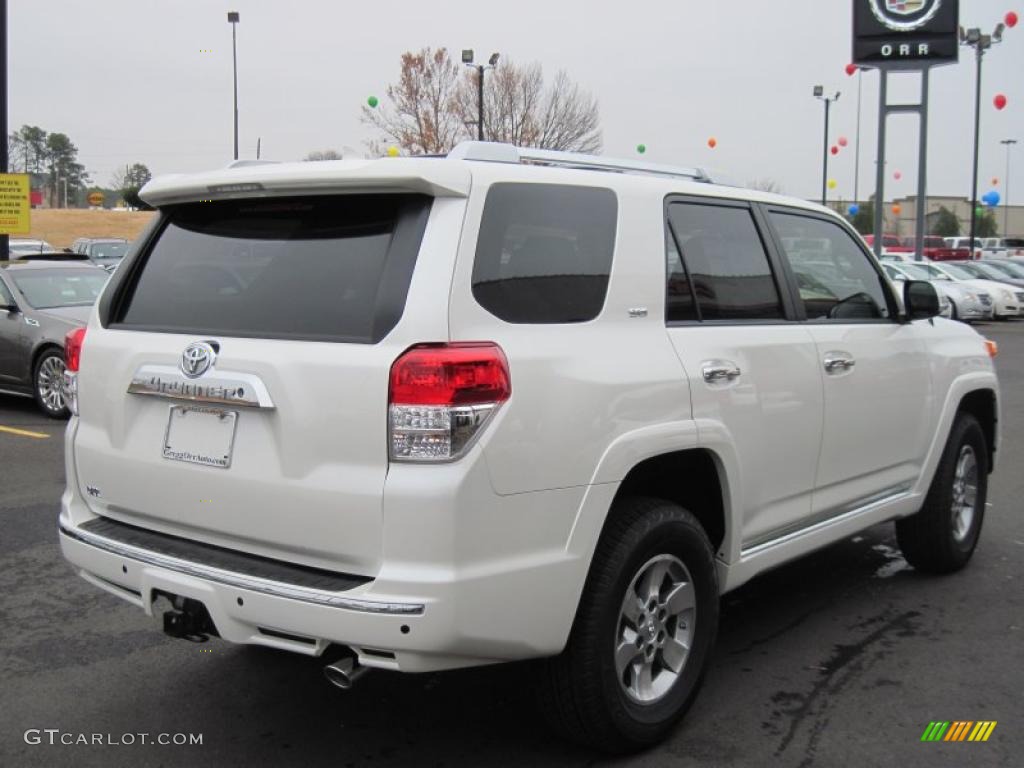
835 150
851 68
842 141
999 101
712 142
1011 19
897 175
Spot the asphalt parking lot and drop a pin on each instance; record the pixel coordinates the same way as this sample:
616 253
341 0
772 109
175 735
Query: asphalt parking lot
842 658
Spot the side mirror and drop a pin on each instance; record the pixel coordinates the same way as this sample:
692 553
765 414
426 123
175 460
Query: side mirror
920 300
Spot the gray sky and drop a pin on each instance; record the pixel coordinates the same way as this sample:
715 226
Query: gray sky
127 81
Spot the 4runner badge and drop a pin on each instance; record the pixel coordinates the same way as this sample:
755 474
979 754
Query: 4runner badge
197 359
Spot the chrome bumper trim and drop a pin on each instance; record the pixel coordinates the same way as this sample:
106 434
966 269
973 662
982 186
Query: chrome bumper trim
241 580
221 388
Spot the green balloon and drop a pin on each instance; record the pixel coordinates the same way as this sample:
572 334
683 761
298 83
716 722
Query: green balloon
372 101
979 211
641 148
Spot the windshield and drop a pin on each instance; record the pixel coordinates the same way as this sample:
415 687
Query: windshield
1013 270
1013 242
960 273
990 271
51 288
918 271
108 250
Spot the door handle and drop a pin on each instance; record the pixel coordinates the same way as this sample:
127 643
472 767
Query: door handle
716 371
839 362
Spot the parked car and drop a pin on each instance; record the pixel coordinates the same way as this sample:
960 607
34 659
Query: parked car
965 243
989 271
425 413
1004 248
1010 267
964 303
103 251
39 302
1005 301
935 249
21 247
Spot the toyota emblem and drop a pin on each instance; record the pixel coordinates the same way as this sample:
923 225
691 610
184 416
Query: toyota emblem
197 359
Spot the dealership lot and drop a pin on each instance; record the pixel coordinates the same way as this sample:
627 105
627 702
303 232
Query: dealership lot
843 657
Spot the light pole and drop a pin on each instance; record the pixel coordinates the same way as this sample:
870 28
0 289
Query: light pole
233 19
467 59
856 157
980 43
819 93
1006 197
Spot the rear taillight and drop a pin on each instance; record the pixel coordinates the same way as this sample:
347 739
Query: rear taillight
441 396
73 341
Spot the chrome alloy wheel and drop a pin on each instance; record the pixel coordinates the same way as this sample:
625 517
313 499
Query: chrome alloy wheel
50 384
655 629
965 492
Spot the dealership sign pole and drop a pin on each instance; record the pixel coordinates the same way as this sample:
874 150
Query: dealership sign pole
901 36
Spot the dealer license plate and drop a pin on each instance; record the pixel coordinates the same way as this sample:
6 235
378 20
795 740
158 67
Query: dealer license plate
200 435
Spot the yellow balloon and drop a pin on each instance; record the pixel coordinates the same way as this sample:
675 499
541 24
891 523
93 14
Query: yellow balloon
831 183
392 151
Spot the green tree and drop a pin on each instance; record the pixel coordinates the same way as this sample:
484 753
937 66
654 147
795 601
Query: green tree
134 178
985 225
864 221
63 168
945 224
27 149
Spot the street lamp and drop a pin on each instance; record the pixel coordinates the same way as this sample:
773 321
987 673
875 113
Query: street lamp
1006 197
233 19
819 93
467 59
980 42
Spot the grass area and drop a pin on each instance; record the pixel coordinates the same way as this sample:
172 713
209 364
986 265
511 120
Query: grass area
62 227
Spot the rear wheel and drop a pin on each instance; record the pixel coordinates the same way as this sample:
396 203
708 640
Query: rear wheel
941 537
48 384
643 631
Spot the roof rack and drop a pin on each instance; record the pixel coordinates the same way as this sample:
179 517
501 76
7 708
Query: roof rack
494 152
248 163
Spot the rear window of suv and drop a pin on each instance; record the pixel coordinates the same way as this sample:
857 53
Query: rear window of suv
544 252
328 268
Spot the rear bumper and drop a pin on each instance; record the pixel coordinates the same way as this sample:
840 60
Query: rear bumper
498 595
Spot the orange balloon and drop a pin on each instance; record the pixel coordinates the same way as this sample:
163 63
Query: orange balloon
896 209
712 142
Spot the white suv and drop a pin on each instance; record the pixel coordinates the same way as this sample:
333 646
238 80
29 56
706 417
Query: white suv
419 414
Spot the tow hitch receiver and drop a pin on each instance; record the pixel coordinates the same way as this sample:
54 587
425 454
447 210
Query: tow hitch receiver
187 619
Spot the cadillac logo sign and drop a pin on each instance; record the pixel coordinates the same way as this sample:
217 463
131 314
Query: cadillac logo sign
905 15
197 359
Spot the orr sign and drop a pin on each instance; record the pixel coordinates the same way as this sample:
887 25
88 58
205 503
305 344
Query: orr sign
905 34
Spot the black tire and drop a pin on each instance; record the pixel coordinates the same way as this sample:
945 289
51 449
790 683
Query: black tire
936 539
581 694
954 313
49 365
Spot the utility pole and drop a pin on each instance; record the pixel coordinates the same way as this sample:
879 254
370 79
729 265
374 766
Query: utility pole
233 19
1006 197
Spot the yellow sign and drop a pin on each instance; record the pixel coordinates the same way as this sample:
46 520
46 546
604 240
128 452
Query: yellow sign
14 204
96 198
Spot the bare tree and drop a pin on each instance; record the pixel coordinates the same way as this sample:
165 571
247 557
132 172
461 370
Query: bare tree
766 185
419 115
435 105
326 154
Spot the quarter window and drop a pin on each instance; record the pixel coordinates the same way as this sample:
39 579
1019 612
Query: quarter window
725 266
544 253
836 279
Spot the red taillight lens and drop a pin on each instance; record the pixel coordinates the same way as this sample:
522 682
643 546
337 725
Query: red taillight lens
73 349
450 374
441 396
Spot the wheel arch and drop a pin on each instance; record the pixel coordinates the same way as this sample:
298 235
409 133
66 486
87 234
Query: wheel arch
982 404
43 346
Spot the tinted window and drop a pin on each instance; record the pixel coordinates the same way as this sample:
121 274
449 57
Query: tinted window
679 302
5 295
320 268
726 262
836 279
544 252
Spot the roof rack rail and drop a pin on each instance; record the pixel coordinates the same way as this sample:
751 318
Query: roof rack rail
247 163
494 152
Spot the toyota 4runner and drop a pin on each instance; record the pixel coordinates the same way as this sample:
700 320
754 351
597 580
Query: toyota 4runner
427 413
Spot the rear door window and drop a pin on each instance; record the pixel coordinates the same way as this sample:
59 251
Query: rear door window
724 265
331 268
544 253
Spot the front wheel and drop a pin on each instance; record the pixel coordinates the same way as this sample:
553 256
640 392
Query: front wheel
48 384
942 536
643 631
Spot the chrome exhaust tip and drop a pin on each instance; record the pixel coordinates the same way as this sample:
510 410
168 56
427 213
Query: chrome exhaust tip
344 673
